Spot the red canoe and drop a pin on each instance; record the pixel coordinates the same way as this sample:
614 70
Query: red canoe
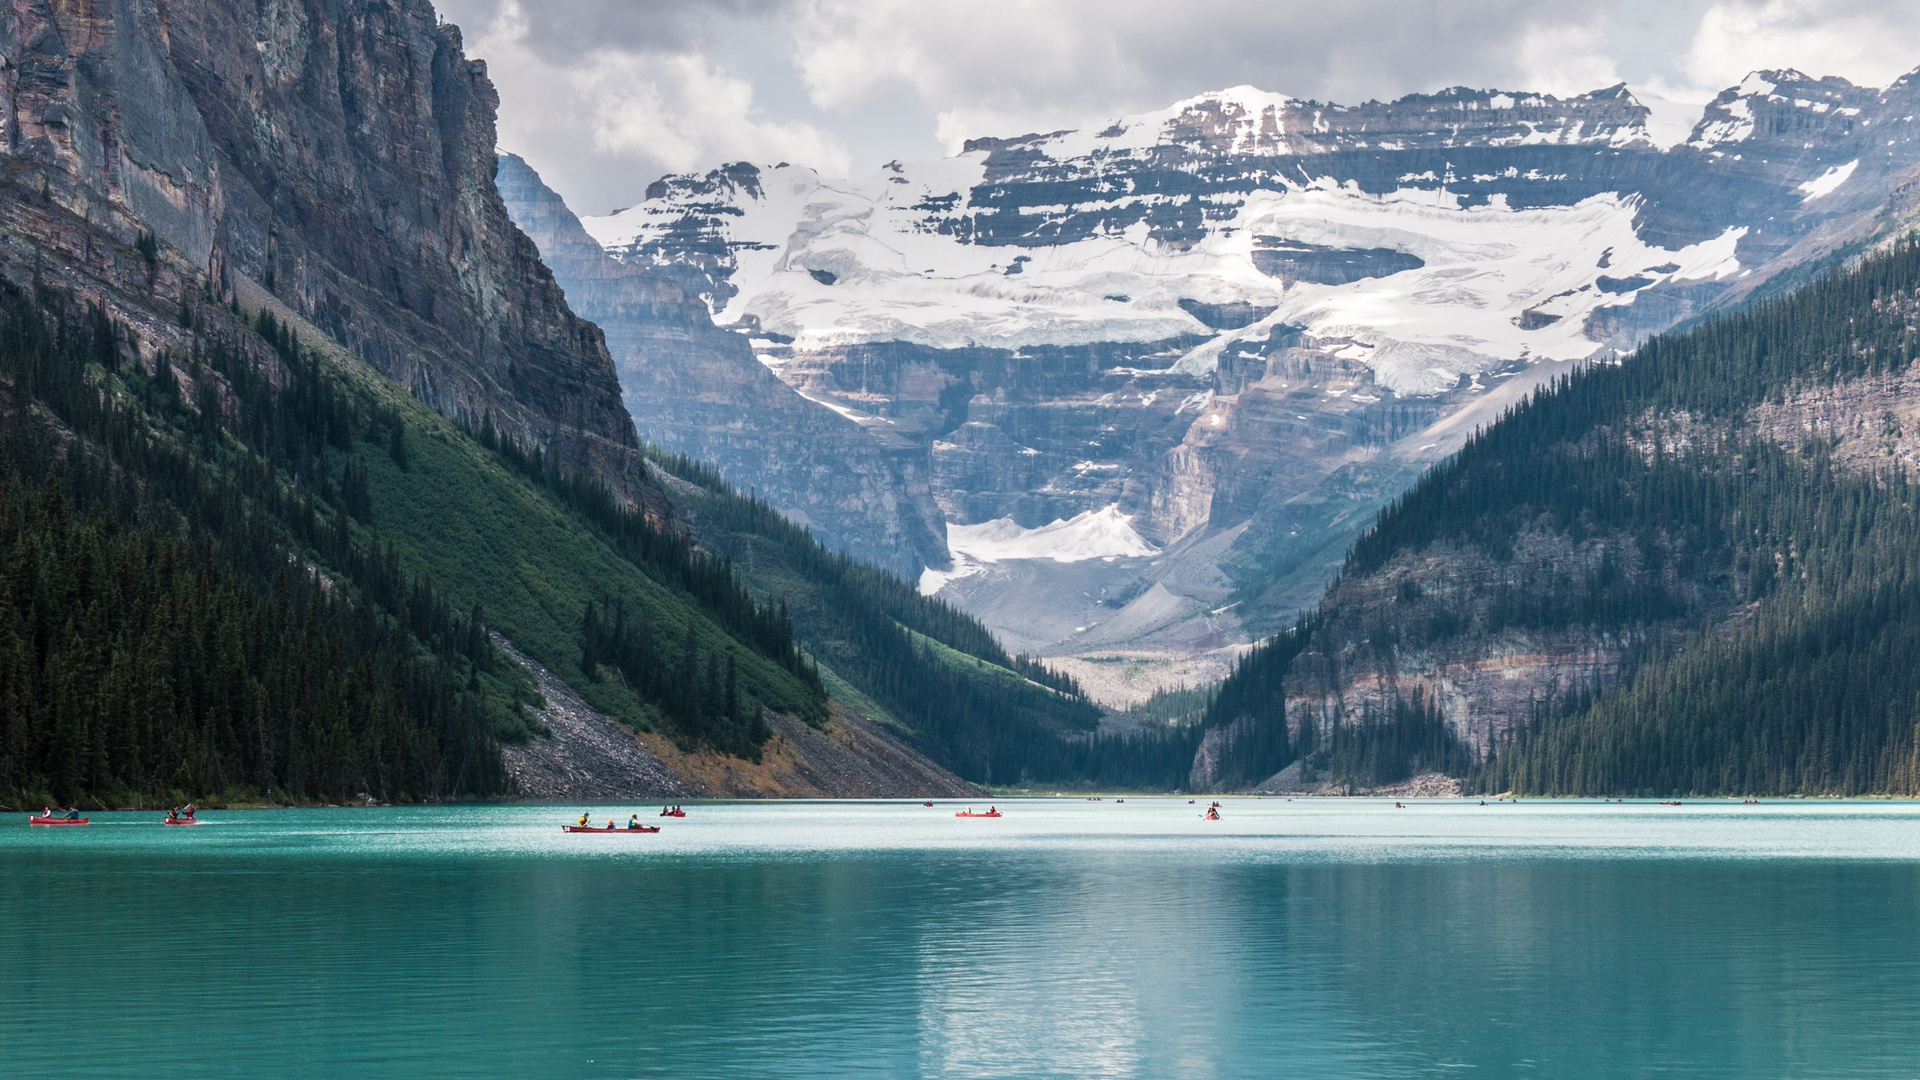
180 821
673 813
37 820
622 829
963 813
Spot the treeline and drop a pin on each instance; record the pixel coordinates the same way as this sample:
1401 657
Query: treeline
378 690
136 667
1820 698
1812 689
1817 695
1249 707
703 704
1259 737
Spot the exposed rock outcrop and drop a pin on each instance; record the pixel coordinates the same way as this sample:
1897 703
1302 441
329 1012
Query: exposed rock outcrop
339 152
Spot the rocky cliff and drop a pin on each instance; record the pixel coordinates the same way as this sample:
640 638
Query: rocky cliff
697 389
180 183
1247 320
337 152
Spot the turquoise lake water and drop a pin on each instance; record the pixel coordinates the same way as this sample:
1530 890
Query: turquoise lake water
1317 938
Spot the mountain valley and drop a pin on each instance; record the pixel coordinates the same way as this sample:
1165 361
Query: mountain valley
1475 440
1200 348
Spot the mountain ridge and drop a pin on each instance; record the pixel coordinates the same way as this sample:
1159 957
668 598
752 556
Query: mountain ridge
1246 311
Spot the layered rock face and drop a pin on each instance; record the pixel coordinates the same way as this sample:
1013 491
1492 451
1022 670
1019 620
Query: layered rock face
697 389
1248 320
339 153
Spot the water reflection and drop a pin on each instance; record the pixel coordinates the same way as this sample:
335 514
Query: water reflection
1326 939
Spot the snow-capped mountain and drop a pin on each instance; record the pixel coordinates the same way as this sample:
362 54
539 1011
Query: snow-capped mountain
1245 320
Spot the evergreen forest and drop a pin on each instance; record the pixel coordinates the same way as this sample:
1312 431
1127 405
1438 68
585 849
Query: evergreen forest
1772 592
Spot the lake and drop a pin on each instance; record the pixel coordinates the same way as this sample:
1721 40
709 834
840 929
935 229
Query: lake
1312 938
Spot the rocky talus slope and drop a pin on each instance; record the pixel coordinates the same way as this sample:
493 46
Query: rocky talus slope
588 755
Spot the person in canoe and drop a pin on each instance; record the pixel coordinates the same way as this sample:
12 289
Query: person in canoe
73 813
583 819
1213 813
633 821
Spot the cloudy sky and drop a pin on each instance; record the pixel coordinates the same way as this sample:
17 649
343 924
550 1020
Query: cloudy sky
604 96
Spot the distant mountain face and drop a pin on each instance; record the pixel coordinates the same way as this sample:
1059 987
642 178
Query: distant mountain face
697 389
1247 320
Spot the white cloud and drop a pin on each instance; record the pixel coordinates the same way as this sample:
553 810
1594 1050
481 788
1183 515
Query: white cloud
1564 60
1868 42
682 113
616 115
604 97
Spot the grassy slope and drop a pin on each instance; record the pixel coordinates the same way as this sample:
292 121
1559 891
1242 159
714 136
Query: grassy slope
486 535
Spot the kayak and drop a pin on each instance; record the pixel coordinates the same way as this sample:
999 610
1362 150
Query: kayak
991 813
623 829
38 820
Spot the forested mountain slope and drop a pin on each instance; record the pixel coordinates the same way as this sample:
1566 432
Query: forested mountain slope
260 530
1697 570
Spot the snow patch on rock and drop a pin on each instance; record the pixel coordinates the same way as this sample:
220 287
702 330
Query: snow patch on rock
1669 123
833 263
1093 534
1827 182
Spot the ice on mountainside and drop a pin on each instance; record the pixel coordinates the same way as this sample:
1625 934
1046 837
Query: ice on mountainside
1499 265
1239 323
1828 182
837 263
1669 123
1093 534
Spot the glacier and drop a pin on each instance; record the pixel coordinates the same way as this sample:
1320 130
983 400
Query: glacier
1237 325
